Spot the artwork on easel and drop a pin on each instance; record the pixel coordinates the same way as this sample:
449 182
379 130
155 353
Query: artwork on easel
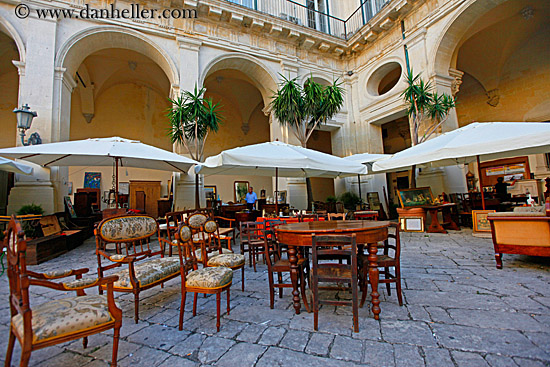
69 205
92 180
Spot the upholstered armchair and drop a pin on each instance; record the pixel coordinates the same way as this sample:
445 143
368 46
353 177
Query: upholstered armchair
62 319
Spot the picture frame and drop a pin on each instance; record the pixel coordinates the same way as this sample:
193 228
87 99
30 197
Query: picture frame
410 198
281 197
412 224
92 180
480 222
373 199
240 188
210 192
69 205
123 188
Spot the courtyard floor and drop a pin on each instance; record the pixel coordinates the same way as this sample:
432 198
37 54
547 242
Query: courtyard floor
459 311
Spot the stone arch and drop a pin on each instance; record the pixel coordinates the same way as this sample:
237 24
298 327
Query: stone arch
456 28
7 28
79 46
263 78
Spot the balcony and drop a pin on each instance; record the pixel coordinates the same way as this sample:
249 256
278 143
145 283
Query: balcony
313 14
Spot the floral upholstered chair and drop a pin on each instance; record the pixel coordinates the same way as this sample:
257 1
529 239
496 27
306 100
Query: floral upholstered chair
214 254
62 319
208 280
141 265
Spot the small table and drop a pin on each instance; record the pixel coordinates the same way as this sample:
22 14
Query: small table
368 233
366 214
448 222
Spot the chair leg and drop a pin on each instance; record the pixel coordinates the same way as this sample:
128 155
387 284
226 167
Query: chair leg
228 307
182 308
242 278
315 305
398 284
280 279
254 256
25 356
85 342
218 311
355 309
386 276
365 286
271 290
136 307
116 337
9 353
195 296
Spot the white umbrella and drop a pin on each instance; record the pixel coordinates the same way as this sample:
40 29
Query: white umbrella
368 160
101 152
474 142
279 159
16 167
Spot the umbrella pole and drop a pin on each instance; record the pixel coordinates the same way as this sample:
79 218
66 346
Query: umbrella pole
359 182
276 191
116 181
480 186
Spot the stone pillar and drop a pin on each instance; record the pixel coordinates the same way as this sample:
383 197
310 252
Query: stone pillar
36 88
189 48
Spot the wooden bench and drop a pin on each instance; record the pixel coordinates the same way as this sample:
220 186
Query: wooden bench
140 263
520 233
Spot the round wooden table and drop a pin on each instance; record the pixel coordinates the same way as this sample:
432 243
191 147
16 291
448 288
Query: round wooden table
367 232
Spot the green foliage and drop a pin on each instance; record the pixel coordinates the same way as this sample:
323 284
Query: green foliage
192 117
303 108
350 200
331 199
30 209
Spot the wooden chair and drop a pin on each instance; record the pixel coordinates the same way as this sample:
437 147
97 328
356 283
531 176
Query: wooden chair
336 216
213 255
62 319
386 261
227 230
141 266
252 240
329 271
275 264
167 230
209 280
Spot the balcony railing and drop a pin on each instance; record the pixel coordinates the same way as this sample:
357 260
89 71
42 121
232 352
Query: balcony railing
307 16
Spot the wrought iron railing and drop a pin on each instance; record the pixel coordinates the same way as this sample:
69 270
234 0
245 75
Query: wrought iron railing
308 16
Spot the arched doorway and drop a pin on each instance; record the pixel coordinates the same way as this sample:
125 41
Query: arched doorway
9 93
122 87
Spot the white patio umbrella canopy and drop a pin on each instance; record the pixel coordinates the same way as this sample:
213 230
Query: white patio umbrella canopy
368 159
101 152
278 158
16 167
487 140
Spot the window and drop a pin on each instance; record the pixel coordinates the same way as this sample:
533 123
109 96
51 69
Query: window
252 4
316 15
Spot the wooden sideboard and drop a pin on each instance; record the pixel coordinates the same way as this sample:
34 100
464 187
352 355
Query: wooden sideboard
152 195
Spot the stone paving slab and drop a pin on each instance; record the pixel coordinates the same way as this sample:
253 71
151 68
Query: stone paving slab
459 311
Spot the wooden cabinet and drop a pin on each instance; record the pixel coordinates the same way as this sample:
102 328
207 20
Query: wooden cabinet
152 195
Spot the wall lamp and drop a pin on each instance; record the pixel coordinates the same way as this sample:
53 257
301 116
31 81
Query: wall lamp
24 121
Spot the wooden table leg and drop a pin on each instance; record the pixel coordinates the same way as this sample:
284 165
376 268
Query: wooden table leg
435 227
448 218
293 259
373 279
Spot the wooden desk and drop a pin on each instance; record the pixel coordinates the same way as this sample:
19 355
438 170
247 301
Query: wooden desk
448 222
367 231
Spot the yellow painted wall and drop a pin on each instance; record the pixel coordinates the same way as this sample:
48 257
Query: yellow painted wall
321 187
9 86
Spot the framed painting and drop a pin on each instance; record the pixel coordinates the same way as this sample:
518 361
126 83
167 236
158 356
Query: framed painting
480 221
412 224
240 188
409 198
92 180
281 197
124 188
210 192
69 205
374 200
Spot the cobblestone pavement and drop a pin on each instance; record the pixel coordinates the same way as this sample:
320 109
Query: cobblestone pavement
459 311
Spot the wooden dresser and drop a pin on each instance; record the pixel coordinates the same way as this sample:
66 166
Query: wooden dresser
152 195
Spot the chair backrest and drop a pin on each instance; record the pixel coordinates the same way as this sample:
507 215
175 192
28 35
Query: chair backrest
251 231
196 220
173 219
396 245
336 216
303 217
133 230
271 248
272 223
186 249
330 246
16 245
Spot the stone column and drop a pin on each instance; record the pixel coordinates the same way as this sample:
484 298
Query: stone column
36 88
189 48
